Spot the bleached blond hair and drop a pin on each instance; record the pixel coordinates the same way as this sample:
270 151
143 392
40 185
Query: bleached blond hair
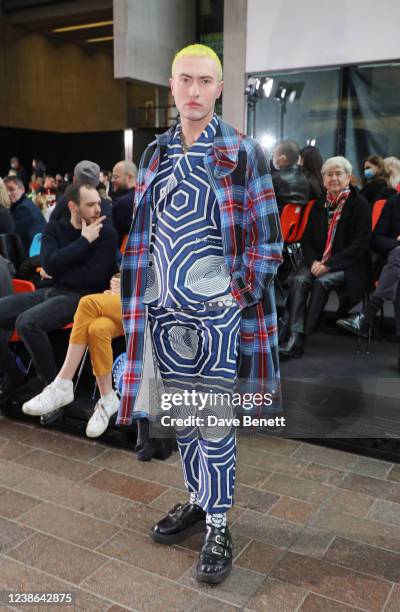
4 197
392 168
198 50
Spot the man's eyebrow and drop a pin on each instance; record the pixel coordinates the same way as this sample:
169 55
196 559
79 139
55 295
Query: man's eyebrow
189 76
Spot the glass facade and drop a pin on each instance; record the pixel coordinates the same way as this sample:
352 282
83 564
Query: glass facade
351 111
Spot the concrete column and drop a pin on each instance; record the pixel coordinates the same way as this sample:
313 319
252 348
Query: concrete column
235 28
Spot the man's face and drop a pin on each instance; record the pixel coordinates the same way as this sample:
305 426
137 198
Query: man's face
89 208
14 191
195 87
119 178
59 180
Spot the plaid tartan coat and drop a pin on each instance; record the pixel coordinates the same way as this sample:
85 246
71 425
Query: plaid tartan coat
240 177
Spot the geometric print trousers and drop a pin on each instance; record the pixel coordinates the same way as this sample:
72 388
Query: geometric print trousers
197 350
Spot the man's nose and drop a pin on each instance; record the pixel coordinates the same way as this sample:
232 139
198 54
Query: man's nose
194 89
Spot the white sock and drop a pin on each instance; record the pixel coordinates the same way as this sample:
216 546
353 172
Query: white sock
108 399
216 520
64 384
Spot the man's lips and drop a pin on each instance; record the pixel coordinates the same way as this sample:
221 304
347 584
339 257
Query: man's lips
194 104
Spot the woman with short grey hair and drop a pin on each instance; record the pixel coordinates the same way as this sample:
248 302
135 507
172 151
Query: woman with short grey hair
335 251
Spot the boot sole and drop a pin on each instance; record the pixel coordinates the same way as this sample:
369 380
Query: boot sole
214 578
199 527
352 330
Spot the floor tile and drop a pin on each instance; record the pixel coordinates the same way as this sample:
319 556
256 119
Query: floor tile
237 589
276 596
393 604
11 430
316 603
385 511
250 476
300 488
55 464
394 473
333 581
23 578
12 450
351 502
67 493
141 551
125 486
59 558
270 461
326 456
13 504
61 444
322 473
272 444
372 486
12 534
139 590
364 558
69 525
138 517
366 530
312 542
267 529
371 467
254 499
259 557
210 604
294 510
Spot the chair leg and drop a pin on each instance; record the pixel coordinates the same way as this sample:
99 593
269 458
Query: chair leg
368 349
81 368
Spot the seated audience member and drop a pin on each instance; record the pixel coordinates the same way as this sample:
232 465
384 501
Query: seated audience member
18 171
375 178
123 181
6 220
104 178
97 321
79 256
311 161
49 191
35 185
335 249
385 242
290 183
40 201
28 219
84 172
392 169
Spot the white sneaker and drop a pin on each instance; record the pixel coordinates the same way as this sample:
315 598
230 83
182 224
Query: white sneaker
99 420
50 399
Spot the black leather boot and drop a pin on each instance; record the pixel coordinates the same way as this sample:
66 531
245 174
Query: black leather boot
293 347
356 324
145 448
215 562
181 522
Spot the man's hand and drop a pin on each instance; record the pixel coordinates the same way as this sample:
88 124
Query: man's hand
43 274
91 232
318 269
115 285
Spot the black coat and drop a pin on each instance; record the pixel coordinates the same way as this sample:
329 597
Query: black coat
384 238
291 186
373 189
350 250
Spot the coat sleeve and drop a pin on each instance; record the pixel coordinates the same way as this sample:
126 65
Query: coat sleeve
382 239
262 253
309 245
348 257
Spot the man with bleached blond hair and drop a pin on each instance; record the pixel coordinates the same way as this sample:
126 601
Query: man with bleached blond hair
197 288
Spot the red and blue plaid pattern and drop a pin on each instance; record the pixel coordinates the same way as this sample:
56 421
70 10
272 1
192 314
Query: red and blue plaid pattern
252 239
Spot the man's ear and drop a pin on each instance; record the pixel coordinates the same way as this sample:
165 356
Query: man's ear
72 206
220 88
171 84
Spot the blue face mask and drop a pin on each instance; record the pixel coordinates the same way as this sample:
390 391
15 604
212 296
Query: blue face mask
369 173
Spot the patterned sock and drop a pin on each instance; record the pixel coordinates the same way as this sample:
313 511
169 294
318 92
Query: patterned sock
217 520
193 499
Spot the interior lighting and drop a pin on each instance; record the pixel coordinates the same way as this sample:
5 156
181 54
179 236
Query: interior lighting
99 39
83 26
268 141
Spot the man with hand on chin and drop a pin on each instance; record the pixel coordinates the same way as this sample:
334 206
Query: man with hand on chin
79 257
197 289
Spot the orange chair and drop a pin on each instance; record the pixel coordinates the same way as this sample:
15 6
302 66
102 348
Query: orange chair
290 220
20 286
123 245
377 211
304 220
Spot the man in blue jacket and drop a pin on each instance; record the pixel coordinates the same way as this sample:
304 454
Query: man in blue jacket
79 256
28 219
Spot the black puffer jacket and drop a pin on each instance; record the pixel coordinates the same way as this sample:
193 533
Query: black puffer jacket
291 186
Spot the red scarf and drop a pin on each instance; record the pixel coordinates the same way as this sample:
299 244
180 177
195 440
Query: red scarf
336 204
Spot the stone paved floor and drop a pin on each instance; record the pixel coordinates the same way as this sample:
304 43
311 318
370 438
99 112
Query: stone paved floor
314 529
